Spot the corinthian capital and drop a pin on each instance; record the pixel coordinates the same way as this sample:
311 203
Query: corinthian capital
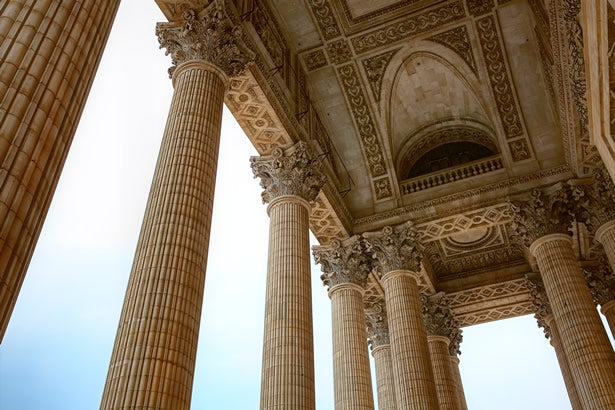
544 212
210 36
439 318
377 325
294 172
538 297
343 262
596 201
601 281
396 247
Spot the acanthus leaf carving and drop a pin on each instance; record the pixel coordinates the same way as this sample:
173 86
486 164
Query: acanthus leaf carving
595 203
396 247
294 172
540 301
440 320
343 262
377 325
209 36
542 214
601 281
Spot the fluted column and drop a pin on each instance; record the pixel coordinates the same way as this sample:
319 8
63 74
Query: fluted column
49 53
545 320
601 281
345 267
152 364
461 396
441 328
398 252
380 343
543 221
290 180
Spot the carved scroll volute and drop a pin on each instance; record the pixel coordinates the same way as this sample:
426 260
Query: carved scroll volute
209 35
343 262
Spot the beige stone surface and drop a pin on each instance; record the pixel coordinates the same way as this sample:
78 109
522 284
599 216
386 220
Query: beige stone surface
152 364
588 350
412 370
562 360
444 377
288 347
351 374
608 310
385 384
49 53
461 396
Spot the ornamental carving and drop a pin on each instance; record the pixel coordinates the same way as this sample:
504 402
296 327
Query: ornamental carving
458 40
210 36
377 325
601 281
595 203
343 262
325 19
574 33
339 52
396 247
479 7
540 301
292 173
439 318
412 25
315 60
375 67
499 79
542 214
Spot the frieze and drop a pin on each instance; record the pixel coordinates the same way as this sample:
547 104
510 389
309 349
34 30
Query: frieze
479 7
374 69
408 27
458 40
495 313
519 150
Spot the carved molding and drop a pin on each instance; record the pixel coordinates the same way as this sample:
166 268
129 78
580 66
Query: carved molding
408 27
479 7
343 262
325 19
209 36
396 248
293 172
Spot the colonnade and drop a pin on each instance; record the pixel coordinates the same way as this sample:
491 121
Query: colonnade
50 51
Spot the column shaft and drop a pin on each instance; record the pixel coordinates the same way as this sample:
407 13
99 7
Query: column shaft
444 377
412 372
606 236
586 345
461 396
288 347
556 342
152 364
384 378
49 52
351 375
608 310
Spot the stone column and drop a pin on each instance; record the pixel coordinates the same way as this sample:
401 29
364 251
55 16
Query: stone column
346 267
461 397
545 319
291 179
398 252
601 281
380 343
543 221
49 52
152 364
441 328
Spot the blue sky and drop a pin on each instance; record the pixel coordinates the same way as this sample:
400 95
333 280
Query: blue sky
57 347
